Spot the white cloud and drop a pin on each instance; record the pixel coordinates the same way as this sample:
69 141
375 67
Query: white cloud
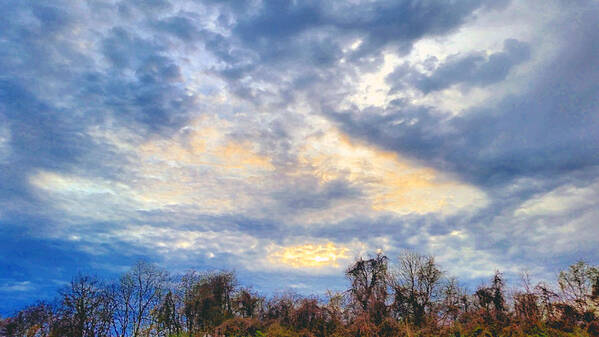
21 286
561 200
563 220
458 254
5 149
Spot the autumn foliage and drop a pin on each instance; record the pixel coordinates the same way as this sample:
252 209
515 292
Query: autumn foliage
411 296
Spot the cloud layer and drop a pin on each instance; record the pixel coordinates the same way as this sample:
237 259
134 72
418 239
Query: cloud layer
282 139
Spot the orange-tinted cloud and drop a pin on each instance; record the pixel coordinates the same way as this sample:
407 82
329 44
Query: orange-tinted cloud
391 183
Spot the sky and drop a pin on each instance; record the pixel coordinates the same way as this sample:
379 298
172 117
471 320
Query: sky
282 139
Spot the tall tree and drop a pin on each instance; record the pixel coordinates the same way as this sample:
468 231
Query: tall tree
578 283
454 301
167 316
138 292
416 285
86 308
247 303
208 301
369 281
491 299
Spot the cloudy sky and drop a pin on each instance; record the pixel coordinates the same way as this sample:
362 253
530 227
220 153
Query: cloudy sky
282 139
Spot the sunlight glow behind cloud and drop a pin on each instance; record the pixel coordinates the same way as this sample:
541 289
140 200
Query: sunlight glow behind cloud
392 184
311 255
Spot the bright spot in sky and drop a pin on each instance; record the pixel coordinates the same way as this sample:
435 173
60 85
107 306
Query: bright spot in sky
310 255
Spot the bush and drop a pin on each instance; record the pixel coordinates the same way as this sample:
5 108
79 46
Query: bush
238 327
277 330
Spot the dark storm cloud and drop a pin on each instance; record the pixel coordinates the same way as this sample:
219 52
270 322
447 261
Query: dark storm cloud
153 97
48 51
150 7
279 20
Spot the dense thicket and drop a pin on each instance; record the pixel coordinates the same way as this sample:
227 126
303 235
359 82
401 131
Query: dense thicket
410 296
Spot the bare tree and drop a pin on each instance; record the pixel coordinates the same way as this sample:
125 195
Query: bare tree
526 303
86 309
547 299
336 304
454 301
416 285
138 292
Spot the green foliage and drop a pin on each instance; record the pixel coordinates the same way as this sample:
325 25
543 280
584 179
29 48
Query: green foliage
277 330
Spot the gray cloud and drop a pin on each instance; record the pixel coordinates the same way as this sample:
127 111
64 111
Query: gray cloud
294 39
474 69
309 195
548 129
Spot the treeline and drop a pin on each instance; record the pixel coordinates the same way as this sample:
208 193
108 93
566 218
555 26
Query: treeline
411 297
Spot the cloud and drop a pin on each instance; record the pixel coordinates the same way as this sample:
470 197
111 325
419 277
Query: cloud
310 255
303 40
504 137
270 137
390 183
169 240
474 69
16 287
179 26
5 149
560 200
561 216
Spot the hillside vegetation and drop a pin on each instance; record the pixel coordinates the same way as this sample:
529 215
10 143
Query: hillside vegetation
410 297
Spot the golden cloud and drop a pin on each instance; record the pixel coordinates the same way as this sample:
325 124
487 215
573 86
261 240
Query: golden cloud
200 166
205 146
310 255
391 183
